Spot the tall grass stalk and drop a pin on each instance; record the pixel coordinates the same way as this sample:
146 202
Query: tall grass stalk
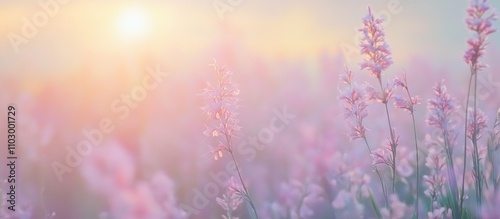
393 139
462 196
377 59
441 108
377 171
479 20
221 104
355 110
409 105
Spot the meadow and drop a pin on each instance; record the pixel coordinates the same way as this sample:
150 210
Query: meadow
216 112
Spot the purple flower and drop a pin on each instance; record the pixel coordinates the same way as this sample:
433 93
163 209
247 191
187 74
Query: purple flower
355 107
221 104
405 104
439 212
373 46
434 184
373 95
232 199
435 159
347 77
383 156
357 130
479 20
441 108
401 102
479 125
398 82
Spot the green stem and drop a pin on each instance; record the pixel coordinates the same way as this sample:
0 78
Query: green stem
462 198
378 174
244 186
477 167
416 146
393 140
452 179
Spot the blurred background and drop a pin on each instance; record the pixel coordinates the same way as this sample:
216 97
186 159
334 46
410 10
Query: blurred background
65 64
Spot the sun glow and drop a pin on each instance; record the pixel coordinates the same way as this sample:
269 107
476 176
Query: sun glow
133 23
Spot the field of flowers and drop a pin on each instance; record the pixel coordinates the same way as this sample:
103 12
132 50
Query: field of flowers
231 127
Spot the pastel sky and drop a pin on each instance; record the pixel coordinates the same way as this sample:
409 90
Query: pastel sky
280 29
66 75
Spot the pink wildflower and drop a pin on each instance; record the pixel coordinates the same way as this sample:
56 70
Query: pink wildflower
355 107
382 97
435 159
436 162
373 46
476 129
377 58
401 102
231 200
221 105
439 212
347 77
434 185
383 156
405 104
441 108
480 21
